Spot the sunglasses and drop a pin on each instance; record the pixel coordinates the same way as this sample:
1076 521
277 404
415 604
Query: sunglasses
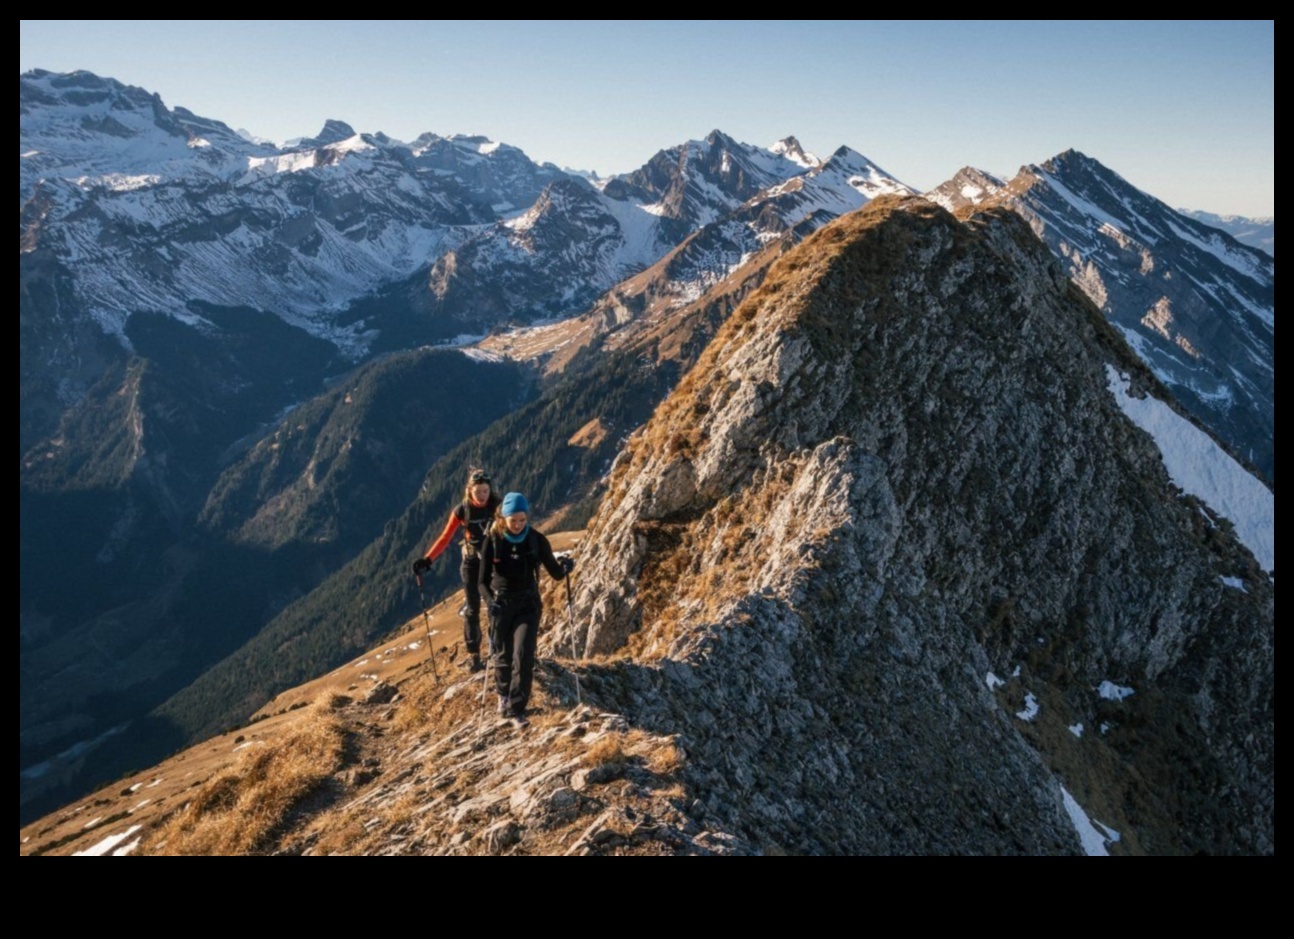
479 477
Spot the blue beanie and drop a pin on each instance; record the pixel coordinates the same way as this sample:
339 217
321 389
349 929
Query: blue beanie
513 503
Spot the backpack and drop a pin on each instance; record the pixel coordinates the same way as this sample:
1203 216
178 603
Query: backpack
475 530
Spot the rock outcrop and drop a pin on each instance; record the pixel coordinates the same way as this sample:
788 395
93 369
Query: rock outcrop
896 474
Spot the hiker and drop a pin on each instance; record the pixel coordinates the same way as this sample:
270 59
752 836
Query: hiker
510 563
473 515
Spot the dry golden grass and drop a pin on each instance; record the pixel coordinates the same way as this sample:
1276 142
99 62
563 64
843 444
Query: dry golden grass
343 837
658 755
239 811
665 760
609 750
590 435
419 701
398 812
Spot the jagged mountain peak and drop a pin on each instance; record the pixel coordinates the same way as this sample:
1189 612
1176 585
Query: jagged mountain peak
79 132
847 158
847 167
86 107
969 186
899 465
478 144
1090 179
717 138
790 148
1177 288
80 88
334 131
1071 157
845 153
559 201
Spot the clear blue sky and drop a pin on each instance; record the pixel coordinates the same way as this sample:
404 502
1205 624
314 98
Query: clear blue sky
1183 109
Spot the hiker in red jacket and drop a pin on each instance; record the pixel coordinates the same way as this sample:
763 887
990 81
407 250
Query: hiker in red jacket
473 515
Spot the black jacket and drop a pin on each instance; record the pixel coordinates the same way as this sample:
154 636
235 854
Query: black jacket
510 572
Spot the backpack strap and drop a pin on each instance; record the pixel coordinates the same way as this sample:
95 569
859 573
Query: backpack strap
532 548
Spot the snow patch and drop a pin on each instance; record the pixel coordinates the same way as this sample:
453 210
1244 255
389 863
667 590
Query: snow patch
1112 692
1081 205
1093 836
1202 468
1031 707
351 145
107 845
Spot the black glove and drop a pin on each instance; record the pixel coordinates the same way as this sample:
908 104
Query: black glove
421 566
567 563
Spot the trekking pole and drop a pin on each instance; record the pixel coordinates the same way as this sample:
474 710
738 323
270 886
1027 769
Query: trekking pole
426 618
487 679
570 618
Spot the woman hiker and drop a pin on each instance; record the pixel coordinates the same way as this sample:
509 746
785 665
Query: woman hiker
473 515
510 562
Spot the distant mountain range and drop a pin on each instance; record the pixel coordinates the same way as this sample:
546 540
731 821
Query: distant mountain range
1256 232
251 375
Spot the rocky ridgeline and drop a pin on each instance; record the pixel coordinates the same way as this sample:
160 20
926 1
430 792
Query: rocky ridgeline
876 557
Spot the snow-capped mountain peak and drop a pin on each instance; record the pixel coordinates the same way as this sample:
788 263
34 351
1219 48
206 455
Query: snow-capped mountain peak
1197 305
333 131
790 148
968 186
861 175
79 126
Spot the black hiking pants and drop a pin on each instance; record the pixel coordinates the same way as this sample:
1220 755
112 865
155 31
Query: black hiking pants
471 571
514 632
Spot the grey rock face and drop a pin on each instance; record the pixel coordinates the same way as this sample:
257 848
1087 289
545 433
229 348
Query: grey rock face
896 475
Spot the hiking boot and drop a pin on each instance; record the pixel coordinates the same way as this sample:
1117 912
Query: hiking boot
520 720
475 665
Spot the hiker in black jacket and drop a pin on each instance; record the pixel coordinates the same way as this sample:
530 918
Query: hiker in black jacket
510 562
474 516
